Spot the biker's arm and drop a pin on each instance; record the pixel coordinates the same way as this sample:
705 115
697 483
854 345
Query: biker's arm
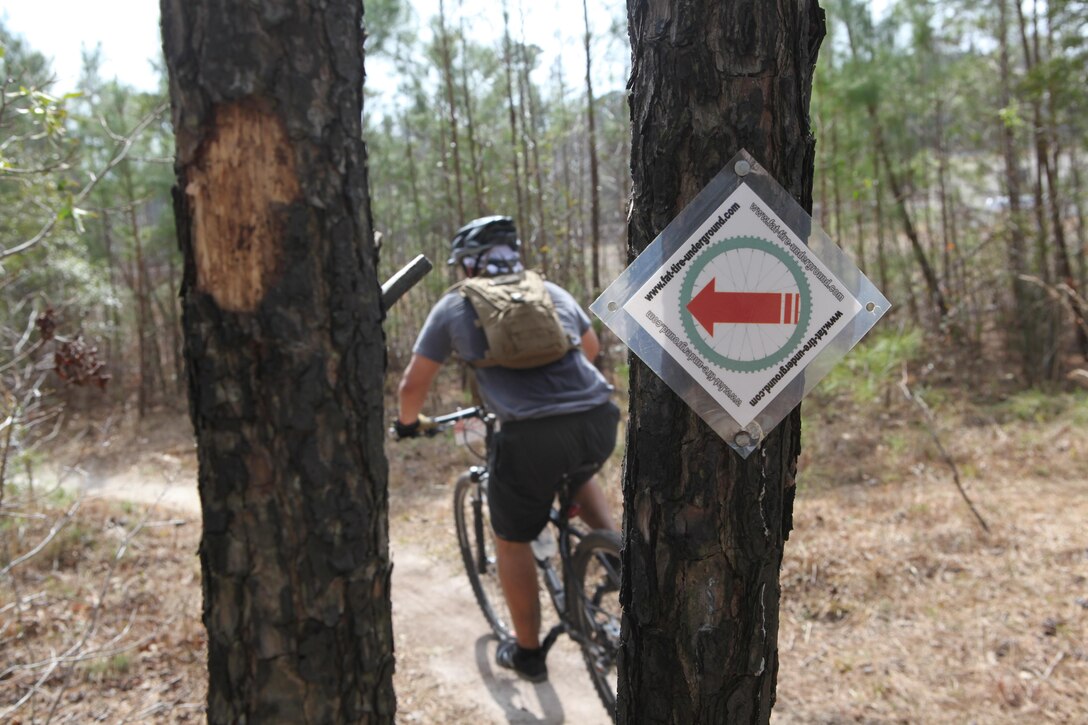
591 344
414 386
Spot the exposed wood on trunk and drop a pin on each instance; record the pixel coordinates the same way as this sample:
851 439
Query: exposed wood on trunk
285 358
240 184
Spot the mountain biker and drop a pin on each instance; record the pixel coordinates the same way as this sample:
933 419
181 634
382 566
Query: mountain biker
554 420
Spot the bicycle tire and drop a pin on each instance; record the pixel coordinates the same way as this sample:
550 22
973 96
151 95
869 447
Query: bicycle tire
597 611
477 543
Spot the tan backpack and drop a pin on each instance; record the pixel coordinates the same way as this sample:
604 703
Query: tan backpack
519 320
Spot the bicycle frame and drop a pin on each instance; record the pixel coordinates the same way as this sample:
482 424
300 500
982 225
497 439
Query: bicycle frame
567 536
555 582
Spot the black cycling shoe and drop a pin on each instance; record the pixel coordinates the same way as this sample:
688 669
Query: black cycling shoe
528 664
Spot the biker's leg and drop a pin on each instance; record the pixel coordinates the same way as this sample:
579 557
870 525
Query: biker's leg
593 505
517 574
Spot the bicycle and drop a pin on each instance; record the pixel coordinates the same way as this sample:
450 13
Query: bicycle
581 575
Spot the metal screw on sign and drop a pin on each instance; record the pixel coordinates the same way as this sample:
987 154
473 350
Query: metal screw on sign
743 439
742 168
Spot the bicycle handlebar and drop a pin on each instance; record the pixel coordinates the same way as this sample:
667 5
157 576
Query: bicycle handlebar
443 422
473 412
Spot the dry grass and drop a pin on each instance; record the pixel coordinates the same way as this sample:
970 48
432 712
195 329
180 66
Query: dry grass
896 607
104 623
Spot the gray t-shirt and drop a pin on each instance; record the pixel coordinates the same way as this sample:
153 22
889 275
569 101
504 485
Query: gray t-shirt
569 385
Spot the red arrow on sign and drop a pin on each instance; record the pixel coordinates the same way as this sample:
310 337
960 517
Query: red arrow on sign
751 308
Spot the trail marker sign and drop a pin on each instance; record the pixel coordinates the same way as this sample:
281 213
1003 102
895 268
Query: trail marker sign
742 304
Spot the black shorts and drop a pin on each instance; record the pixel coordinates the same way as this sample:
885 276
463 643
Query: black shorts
529 459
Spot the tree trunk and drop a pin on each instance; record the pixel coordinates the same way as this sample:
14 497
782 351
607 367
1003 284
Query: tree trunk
899 197
1028 308
413 177
1031 56
881 248
594 173
836 181
508 69
470 125
563 172
1082 218
114 352
531 233
451 110
947 236
285 358
704 528
531 130
451 219
1063 263
176 344
139 289
155 376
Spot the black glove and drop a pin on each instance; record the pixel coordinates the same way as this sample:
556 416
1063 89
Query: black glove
402 430
421 426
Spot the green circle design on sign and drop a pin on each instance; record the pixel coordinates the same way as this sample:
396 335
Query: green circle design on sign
687 294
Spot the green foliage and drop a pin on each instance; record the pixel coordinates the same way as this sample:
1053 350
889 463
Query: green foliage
914 98
415 175
384 19
863 92
86 234
1043 406
1011 116
874 365
914 69
105 668
69 547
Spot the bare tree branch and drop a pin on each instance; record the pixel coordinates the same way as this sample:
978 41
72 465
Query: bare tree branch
122 152
57 528
97 610
931 428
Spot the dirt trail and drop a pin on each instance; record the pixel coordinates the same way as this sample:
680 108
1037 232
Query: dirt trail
445 654
438 626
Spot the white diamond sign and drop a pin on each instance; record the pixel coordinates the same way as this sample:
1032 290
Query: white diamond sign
741 304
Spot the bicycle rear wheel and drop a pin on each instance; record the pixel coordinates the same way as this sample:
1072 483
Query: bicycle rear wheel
597 613
477 542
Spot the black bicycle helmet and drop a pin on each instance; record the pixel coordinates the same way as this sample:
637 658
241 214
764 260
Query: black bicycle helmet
480 235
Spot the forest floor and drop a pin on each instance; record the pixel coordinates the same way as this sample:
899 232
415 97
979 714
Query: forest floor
896 605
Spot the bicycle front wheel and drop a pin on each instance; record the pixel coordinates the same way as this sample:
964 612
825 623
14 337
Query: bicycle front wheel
477 542
597 612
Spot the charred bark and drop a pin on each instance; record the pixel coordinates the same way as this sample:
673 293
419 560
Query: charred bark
705 529
285 358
